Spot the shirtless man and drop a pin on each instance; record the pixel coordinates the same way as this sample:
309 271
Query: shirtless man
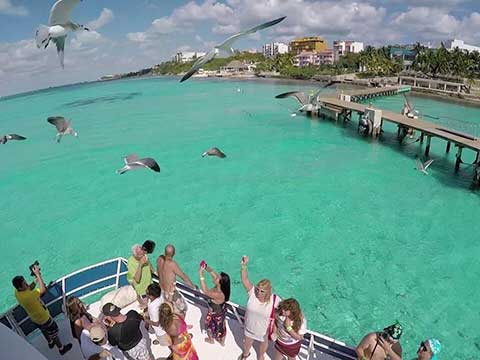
168 270
381 345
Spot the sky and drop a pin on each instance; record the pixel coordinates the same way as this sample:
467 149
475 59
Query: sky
127 35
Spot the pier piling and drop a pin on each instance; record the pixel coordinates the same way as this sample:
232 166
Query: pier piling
448 147
459 158
427 149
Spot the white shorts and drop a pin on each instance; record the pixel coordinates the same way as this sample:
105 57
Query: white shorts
140 351
254 336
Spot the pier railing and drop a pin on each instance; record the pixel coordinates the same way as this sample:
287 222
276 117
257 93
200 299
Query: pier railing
111 274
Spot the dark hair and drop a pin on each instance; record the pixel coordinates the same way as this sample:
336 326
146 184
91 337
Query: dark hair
148 246
165 316
154 290
296 316
225 285
18 281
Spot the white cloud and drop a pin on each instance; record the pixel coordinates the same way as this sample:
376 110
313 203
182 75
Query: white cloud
105 17
6 7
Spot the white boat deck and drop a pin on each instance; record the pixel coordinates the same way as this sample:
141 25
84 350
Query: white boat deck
195 316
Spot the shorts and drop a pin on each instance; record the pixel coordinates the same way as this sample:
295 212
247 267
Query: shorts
290 350
139 351
49 330
178 303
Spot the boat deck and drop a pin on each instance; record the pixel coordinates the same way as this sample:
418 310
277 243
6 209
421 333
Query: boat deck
231 350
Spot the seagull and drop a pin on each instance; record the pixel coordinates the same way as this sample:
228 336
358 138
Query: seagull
214 151
226 46
63 127
5 138
59 24
132 162
308 102
423 166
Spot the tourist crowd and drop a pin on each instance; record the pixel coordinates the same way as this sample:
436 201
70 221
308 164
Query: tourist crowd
267 316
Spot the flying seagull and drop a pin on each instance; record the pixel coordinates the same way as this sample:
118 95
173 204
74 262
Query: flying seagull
308 102
423 166
132 162
59 24
214 151
63 127
226 46
5 138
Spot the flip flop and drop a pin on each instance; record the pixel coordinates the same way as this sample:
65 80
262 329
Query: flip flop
243 357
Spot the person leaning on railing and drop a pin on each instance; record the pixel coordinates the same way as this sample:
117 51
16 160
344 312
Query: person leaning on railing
28 296
259 312
428 349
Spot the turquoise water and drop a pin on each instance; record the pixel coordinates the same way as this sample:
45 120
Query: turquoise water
342 223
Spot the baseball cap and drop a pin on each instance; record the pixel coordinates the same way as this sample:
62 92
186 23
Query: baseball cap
110 309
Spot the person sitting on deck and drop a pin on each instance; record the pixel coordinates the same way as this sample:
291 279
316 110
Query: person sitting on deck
151 318
215 321
29 299
168 270
79 317
139 273
429 349
381 345
124 332
259 312
290 326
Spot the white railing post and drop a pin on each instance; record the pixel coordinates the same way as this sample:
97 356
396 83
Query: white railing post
64 296
311 346
117 279
13 322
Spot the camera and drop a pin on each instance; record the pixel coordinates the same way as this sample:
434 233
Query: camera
384 335
31 267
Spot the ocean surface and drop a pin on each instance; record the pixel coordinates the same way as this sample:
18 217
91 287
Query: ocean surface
342 223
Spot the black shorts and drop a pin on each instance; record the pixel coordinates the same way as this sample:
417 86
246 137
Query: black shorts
49 330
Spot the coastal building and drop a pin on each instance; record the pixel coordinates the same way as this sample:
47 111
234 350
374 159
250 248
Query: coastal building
186 56
236 66
273 49
452 44
306 58
343 47
307 44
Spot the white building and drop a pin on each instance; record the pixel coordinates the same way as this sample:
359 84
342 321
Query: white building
452 44
186 56
273 49
344 47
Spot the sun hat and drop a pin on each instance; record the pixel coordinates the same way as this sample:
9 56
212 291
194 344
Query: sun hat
110 309
435 347
97 334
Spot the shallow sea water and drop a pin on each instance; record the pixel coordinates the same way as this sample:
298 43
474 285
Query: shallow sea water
342 223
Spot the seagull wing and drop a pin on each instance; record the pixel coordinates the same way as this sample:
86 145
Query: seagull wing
300 96
59 122
427 164
60 42
150 163
227 44
130 158
60 12
15 137
198 64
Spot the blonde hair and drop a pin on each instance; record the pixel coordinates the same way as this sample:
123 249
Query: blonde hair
266 285
166 316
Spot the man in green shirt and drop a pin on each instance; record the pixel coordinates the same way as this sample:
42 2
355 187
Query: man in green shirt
139 273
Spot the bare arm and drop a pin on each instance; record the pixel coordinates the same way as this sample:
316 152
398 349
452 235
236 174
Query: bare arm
138 274
244 275
364 345
38 277
182 275
213 294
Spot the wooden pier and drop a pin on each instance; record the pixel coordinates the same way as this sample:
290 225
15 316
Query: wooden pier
340 107
366 94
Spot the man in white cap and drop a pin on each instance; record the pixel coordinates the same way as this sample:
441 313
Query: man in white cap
91 344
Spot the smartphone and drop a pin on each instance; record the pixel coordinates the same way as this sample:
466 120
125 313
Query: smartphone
203 264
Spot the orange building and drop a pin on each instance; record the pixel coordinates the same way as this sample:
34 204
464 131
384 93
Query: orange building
307 44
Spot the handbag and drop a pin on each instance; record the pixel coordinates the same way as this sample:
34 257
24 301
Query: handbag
271 319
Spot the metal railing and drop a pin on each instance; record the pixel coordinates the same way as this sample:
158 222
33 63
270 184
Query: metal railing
111 274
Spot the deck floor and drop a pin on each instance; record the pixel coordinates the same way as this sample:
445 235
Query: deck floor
195 316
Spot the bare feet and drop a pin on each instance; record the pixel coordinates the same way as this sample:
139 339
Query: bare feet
208 340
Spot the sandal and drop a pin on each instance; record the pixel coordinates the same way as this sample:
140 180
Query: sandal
243 357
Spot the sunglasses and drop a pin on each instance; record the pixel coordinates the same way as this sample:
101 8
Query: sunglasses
260 290
422 347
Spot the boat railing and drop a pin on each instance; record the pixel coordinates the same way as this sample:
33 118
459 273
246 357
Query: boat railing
111 274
